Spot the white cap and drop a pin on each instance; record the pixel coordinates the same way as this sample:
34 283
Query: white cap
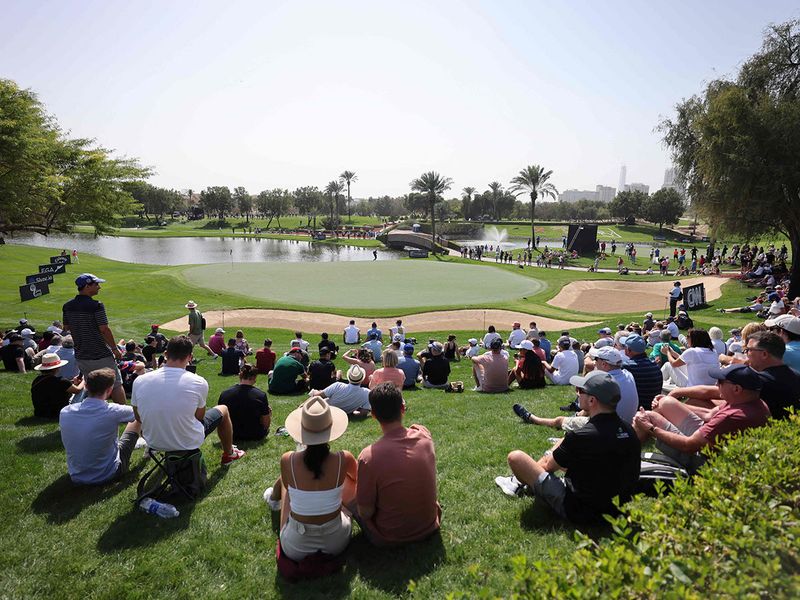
610 355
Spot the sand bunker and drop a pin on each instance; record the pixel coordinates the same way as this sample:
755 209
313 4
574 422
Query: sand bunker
308 322
615 296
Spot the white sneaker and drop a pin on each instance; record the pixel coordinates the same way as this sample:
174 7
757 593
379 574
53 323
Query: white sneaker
511 486
274 505
554 440
141 443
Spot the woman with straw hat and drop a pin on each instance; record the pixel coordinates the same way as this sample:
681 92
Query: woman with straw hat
49 391
314 484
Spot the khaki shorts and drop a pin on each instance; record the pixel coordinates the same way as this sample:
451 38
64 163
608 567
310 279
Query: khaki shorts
87 366
299 540
574 423
196 338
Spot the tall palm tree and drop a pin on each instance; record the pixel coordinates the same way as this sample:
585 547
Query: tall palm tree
467 201
533 180
497 190
333 189
432 185
347 177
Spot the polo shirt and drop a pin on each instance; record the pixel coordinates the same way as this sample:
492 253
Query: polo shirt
231 358
734 417
780 390
410 367
347 396
265 360
792 355
84 316
285 374
246 405
89 434
647 376
320 374
351 334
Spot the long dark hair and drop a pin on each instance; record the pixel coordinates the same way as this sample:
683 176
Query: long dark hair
534 369
314 456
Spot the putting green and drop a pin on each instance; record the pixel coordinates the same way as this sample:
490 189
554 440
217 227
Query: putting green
381 284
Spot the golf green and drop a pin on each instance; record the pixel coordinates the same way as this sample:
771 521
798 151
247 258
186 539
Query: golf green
396 284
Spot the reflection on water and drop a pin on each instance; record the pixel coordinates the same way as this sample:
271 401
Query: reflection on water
202 250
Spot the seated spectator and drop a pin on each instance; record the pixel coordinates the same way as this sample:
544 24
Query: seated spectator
657 355
132 352
363 358
232 359
67 352
265 358
351 397
373 330
248 406
298 341
51 348
471 349
329 344
451 349
516 336
149 352
715 333
396 346
410 367
601 460
217 341
490 370
389 372
351 334
698 357
545 345
170 403
491 334
436 369
788 328
533 332
49 391
89 432
398 330
528 371
242 345
289 374
56 327
373 345
15 357
161 339
646 373
28 342
322 372
681 430
564 365
47 340
314 484
396 498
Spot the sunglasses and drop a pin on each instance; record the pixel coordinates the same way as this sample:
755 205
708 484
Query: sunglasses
749 349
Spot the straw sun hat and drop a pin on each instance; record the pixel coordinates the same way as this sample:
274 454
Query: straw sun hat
50 361
316 422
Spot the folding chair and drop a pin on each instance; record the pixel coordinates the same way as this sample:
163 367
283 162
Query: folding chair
174 473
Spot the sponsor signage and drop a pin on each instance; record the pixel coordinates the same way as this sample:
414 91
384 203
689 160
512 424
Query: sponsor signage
416 253
39 278
33 290
694 296
60 259
52 269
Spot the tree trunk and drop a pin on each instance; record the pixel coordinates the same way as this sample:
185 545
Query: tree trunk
533 211
794 270
433 227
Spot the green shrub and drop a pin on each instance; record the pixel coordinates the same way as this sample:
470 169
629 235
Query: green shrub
733 533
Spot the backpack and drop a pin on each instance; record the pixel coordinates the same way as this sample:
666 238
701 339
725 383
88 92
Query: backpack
203 323
313 566
658 468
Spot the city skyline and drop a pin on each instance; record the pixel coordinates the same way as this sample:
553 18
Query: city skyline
292 94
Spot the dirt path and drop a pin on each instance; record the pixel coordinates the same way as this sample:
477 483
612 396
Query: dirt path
614 296
308 322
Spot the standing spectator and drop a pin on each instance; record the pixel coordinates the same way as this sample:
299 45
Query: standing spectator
248 406
197 327
85 319
675 294
265 358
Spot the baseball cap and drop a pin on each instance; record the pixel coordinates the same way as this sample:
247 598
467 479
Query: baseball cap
436 348
26 332
634 342
603 342
608 354
777 321
564 342
23 321
496 343
219 330
599 384
526 345
85 279
516 324
472 341
648 314
791 325
606 330
408 348
741 375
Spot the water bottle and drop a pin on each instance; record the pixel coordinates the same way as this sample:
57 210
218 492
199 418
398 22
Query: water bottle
162 509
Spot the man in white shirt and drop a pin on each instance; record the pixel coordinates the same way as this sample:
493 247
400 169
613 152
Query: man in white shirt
533 332
516 336
564 365
491 335
170 403
398 329
351 334
351 397
299 342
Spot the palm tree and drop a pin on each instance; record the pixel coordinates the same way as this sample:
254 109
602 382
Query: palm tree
333 189
433 185
346 177
496 189
533 180
467 201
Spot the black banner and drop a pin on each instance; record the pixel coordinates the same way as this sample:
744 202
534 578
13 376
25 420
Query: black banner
60 259
694 296
33 290
415 253
53 269
40 278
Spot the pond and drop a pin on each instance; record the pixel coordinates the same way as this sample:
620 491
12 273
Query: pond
202 250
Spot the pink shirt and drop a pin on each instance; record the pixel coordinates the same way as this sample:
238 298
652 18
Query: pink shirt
397 475
495 372
217 343
735 417
390 374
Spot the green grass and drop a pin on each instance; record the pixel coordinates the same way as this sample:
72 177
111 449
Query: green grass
61 541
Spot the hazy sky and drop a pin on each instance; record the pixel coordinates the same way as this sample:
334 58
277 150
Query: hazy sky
268 94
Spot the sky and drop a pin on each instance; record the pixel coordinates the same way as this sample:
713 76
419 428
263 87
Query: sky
264 94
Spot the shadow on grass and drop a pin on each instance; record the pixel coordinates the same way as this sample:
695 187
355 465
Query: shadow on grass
333 586
62 500
135 529
40 443
32 421
539 517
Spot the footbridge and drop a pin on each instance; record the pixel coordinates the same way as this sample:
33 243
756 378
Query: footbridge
401 238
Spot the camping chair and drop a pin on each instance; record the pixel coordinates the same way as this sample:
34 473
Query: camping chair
174 473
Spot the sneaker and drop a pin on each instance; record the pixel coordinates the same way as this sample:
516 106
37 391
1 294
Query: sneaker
476 389
511 486
141 443
571 407
274 505
553 440
229 458
281 431
215 357
522 413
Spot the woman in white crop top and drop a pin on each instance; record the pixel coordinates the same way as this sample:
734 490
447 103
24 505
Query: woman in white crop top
314 483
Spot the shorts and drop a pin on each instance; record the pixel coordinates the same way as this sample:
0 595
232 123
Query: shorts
686 428
211 420
438 386
299 540
574 423
552 489
87 366
197 338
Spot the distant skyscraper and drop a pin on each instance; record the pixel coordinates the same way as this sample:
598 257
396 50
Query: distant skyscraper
622 174
605 193
671 181
637 187
575 195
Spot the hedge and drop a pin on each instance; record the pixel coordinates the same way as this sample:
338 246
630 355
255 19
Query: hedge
733 533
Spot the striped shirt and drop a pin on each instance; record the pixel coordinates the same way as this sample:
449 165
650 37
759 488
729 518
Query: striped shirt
647 376
84 316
